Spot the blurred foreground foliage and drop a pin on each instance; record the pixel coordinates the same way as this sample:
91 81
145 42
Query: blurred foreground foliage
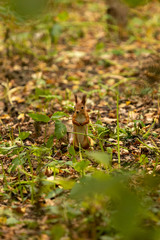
45 22
26 10
121 204
23 21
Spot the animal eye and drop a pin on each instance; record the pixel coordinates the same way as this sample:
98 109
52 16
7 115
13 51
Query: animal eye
82 107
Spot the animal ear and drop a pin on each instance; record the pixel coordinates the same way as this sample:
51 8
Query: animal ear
76 99
84 99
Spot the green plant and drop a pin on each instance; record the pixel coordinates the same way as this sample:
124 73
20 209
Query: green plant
100 132
138 125
128 206
143 159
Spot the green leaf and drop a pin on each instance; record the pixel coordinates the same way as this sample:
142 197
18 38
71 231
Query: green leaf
39 117
58 115
57 231
55 32
100 46
41 150
66 184
23 135
28 9
71 151
53 194
101 129
81 166
135 3
60 129
101 157
19 160
138 123
40 91
49 97
118 52
50 141
143 159
5 150
63 16
12 221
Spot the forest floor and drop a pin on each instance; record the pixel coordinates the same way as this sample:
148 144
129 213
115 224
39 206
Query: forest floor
37 172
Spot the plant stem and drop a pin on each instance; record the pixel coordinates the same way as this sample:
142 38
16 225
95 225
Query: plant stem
118 146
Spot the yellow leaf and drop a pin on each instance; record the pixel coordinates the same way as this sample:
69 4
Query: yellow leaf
128 102
3 220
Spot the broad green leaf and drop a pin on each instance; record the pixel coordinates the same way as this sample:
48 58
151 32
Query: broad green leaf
58 115
39 117
38 151
53 194
50 141
12 221
57 231
66 184
40 91
81 166
29 8
60 129
101 157
23 135
71 150
63 182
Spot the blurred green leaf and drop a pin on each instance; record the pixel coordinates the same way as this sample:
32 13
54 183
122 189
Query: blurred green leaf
100 46
17 161
71 150
29 8
118 52
39 151
127 206
135 3
81 166
58 115
49 97
143 159
57 231
65 183
42 92
55 32
101 157
5 150
60 129
12 221
63 16
39 117
23 135
49 143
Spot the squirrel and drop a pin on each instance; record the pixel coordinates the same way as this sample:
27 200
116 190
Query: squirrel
80 122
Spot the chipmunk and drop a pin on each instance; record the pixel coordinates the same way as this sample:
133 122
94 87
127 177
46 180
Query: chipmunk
80 122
